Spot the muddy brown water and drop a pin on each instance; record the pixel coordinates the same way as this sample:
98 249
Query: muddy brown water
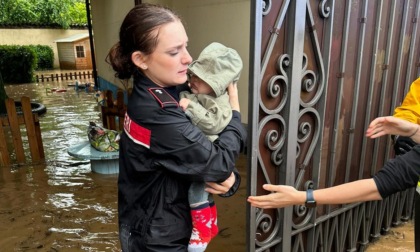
63 206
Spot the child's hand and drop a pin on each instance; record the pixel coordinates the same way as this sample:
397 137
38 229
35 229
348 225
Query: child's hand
183 103
233 96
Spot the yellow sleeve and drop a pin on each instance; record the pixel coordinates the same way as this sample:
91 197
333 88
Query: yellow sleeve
410 108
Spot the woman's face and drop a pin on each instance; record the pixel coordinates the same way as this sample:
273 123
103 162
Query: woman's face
168 64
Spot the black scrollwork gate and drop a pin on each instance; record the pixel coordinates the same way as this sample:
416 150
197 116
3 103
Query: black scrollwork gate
321 71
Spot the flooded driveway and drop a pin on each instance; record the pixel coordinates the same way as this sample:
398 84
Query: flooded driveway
62 205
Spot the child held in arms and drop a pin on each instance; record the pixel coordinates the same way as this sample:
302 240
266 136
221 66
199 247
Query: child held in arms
208 107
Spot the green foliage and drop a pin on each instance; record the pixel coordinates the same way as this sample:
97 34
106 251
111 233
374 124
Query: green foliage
46 13
53 12
45 55
17 63
77 13
18 12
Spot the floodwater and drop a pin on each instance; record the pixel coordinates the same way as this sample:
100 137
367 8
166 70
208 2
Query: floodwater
60 205
63 206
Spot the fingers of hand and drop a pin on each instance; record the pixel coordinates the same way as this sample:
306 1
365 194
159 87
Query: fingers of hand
216 188
261 201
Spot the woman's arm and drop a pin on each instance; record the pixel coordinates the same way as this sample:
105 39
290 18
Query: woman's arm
393 126
397 175
283 196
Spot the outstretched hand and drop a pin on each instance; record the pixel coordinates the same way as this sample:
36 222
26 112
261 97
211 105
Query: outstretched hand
392 126
282 196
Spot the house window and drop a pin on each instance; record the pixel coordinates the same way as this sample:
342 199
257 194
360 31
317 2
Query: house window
80 51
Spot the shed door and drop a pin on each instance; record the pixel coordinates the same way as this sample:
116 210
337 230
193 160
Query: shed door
81 56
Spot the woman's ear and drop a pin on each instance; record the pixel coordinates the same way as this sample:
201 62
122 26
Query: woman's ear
139 59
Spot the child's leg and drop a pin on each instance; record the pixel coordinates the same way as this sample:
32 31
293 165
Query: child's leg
213 212
201 218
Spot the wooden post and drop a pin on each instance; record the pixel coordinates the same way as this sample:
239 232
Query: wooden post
111 110
15 129
4 152
39 137
109 105
30 128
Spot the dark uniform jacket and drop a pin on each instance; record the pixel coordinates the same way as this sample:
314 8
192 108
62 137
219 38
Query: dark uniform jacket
161 153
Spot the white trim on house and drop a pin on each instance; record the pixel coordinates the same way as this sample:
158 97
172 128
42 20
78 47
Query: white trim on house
73 38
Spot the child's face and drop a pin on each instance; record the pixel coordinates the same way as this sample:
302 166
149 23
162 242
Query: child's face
198 86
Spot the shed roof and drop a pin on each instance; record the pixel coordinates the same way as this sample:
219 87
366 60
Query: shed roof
73 38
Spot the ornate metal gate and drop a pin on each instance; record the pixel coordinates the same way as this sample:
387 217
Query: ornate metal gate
322 70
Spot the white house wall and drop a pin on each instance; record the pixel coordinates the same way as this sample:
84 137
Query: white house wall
224 21
107 16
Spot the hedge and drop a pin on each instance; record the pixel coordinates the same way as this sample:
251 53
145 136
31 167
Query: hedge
17 63
45 57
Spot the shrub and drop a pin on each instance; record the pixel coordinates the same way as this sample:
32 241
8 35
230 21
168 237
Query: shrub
17 63
45 55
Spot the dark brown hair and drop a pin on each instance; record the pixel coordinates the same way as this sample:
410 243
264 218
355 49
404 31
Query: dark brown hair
136 34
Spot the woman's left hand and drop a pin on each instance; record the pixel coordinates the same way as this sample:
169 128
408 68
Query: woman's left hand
221 188
393 126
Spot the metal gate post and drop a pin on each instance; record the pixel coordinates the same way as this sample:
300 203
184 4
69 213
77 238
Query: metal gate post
295 45
253 107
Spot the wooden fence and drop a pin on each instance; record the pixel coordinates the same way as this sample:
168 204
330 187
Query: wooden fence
64 76
12 122
113 112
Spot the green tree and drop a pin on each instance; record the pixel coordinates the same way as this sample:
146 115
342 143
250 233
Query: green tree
18 12
77 13
52 13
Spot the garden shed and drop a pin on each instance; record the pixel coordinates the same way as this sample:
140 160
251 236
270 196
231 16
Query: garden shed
74 52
